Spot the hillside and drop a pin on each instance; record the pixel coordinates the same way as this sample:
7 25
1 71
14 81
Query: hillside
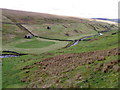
62 52
61 27
113 20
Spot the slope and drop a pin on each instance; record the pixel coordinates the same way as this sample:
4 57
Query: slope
53 26
92 63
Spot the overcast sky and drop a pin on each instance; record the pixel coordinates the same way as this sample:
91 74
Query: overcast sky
78 8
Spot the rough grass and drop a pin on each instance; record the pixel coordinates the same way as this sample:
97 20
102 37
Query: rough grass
11 33
66 30
107 41
59 31
61 27
48 67
13 80
27 69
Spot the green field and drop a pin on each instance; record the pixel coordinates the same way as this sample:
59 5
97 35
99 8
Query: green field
100 79
34 44
89 64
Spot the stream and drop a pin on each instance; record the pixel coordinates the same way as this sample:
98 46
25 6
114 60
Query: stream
78 40
5 56
11 54
15 54
72 42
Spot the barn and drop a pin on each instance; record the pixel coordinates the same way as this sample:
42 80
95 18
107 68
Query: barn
28 36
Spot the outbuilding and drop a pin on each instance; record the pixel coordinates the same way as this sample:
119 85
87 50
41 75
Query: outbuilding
28 36
48 27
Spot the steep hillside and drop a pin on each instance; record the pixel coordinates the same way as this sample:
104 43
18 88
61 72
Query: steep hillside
53 26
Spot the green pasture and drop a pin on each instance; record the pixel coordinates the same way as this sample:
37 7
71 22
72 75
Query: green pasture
13 73
38 49
34 44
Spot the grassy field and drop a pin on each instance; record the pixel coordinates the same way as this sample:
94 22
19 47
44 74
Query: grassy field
27 74
34 44
89 64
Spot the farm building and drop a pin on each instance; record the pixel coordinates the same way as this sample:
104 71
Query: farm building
28 36
48 27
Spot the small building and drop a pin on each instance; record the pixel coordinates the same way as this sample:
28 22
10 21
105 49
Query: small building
48 27
28 36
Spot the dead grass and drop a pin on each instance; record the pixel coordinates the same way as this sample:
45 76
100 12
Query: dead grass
56 66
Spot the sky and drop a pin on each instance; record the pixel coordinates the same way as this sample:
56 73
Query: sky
77 8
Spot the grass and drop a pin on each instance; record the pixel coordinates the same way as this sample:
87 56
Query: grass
12 46
0 75
59 31
106 41
89 77
98 79
20 72
12 67
11 33
34 44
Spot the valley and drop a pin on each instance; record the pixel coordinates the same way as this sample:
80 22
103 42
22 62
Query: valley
60 51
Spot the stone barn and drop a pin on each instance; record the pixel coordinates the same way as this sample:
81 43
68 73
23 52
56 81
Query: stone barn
28 36
48 27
